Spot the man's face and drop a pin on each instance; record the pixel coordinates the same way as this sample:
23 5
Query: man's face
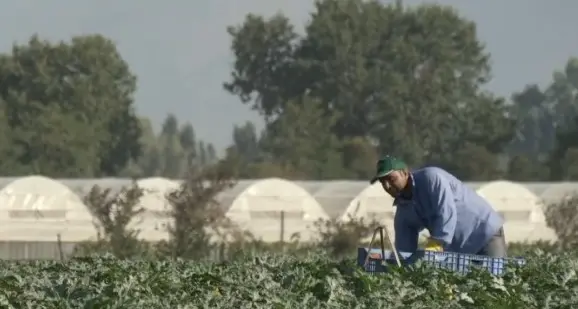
394 182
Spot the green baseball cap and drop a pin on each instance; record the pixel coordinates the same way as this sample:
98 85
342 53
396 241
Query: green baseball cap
386 165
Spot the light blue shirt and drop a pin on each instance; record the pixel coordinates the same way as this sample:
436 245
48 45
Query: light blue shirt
453 213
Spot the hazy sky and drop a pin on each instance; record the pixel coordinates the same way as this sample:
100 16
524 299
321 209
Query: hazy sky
179 49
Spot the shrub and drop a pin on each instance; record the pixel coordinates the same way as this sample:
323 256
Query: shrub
562 217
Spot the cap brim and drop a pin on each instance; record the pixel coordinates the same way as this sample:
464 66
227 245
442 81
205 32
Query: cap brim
376 177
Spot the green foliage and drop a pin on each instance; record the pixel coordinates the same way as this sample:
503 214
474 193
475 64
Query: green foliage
340 238
171 152
400 80
274 281
548 126
115 215
67 109
562 217
198 220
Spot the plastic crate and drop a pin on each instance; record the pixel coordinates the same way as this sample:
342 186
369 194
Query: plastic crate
377 263
459 262
495 266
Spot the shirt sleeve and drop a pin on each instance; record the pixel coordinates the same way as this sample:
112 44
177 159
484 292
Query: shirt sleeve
444 208
406 235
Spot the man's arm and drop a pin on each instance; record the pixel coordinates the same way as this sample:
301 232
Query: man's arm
442 201
406 235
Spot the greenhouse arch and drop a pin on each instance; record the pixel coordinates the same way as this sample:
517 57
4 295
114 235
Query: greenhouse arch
156 207
373 203
272 209
334 196
521 209
38 208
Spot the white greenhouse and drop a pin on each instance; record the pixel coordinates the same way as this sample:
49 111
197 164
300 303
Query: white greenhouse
83 186
373 203
556 192
152 224
521 209
257 206
36 208
334 196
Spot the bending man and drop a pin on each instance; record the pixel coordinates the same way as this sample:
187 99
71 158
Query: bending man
458 219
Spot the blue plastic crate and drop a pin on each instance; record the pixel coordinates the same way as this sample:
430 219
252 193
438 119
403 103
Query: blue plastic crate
449 260
495 266
377 263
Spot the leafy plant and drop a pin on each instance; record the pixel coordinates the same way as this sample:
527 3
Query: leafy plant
115 216
198 219
281 281
341 238
562 217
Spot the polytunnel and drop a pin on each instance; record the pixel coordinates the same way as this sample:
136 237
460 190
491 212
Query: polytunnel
521 209
272 209
558 191
83 186
37 208
537 188
372 203
334 196
153 223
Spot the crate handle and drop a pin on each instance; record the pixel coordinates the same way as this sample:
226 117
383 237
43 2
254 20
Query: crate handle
381 230
477 262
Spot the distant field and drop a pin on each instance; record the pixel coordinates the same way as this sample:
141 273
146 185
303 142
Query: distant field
279 282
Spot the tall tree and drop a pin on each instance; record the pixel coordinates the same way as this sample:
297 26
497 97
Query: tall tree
173 156
246 142
299 142
536 127
171 152
69 108
188 142
563 95
170 126
408 78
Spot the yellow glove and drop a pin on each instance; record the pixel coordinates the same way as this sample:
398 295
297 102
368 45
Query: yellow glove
434 245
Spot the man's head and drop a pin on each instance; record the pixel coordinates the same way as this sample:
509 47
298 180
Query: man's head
393 174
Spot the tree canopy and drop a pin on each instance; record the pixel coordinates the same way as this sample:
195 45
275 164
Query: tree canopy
67 110
362 80
407 81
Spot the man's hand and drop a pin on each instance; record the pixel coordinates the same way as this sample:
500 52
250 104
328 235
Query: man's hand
434 245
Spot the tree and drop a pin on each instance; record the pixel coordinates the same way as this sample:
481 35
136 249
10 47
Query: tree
358 155
565 155
298 140
475 163
173 156
536 125
409 79
547 127
171 152
188 141
69 108
563 95
199 221
562 218
149 159
527 168
115 217
246 142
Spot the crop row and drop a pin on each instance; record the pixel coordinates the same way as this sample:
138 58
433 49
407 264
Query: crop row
280 282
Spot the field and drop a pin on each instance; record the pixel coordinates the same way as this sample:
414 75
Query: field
279 282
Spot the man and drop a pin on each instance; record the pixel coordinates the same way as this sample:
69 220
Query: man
458 219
